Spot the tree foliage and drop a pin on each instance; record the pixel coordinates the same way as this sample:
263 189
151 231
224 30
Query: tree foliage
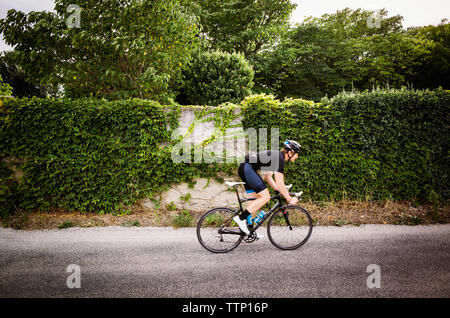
13 74
5 88
244 26
342 51
133 48
123 48
435 70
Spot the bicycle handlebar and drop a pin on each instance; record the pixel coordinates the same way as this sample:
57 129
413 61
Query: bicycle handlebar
296 194
276 196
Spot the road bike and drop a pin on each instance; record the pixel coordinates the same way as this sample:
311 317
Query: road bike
289 226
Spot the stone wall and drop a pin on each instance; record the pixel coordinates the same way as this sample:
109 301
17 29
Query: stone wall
206 193
203 133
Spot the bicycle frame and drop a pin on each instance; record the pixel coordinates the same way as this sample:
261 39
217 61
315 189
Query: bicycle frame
277 205
269 213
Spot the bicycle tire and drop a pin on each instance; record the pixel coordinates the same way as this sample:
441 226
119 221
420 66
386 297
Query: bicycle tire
210 229
279 232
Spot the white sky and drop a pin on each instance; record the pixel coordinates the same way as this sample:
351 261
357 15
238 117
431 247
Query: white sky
414 12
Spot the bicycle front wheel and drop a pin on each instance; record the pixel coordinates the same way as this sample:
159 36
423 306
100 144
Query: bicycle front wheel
217 232
289 227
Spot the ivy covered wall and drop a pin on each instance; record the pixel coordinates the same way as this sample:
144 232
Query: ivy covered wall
94 155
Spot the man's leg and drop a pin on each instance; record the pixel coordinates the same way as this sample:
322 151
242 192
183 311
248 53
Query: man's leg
251 194
252 207
262 198
253 182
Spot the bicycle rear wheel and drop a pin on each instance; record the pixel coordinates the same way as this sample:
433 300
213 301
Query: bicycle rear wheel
217 232
289 227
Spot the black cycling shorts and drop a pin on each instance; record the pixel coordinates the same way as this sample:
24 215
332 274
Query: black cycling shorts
252 180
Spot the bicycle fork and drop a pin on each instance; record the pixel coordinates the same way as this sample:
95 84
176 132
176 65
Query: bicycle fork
286 218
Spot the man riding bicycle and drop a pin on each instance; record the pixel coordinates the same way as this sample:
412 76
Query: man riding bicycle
269 162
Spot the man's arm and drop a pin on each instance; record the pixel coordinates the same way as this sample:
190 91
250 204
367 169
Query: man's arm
268 178
279 181
279 184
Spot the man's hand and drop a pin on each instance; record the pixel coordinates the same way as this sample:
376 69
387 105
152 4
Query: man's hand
293 201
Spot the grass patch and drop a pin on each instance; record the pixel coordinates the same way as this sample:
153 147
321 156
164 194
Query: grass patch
340 222
408 220
131 223
337 213
183 220
66 225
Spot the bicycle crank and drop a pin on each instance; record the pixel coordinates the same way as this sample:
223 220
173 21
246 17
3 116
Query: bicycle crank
250 238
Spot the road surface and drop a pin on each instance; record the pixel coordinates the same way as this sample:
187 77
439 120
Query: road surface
348 261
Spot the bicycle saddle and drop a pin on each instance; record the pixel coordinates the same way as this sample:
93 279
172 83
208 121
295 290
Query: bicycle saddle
232 184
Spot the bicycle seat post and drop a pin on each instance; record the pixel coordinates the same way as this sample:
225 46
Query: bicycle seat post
239 199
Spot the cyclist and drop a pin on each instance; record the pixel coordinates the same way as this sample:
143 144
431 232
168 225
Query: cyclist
269 162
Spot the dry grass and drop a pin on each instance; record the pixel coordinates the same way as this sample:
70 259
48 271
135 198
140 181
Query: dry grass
325 213
370 212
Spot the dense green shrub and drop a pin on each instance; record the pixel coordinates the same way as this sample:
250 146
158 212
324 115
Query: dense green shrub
214 78
84 152
406 132
7 190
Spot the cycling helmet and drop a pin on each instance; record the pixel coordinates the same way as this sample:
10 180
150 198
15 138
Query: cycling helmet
292 145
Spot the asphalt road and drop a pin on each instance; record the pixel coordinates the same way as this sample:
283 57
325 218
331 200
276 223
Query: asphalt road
413 261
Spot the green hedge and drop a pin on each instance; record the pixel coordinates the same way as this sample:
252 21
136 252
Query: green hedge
94 155
372 145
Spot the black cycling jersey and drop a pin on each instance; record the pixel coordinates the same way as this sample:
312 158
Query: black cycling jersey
269 160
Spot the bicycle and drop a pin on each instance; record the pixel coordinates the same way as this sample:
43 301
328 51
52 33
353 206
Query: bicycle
289 226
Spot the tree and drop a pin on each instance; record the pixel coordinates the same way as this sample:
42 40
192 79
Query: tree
380 60
342 51
36 46
244 26
123 48
435 70
299 66
15 76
